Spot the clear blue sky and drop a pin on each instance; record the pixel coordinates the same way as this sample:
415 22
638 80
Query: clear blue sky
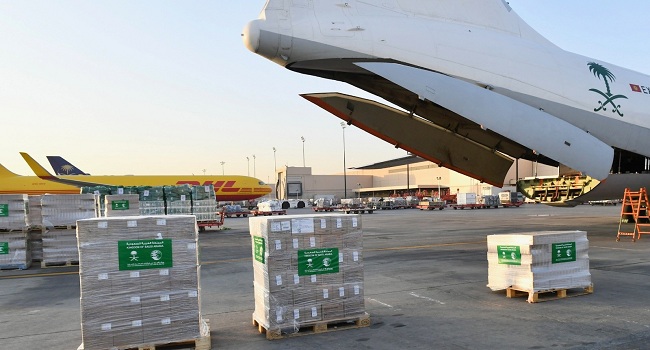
167 87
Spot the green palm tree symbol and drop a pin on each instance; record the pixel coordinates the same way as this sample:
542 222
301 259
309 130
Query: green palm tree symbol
599 71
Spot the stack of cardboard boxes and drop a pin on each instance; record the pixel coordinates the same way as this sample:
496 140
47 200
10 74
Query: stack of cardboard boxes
139 281
60 215
14 237
122 205
538 261
307 270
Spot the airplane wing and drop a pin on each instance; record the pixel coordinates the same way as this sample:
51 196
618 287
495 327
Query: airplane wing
519 122
45 175
418 136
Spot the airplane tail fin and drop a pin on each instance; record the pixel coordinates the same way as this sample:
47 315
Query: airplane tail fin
492 14
63 167
36 167
5 173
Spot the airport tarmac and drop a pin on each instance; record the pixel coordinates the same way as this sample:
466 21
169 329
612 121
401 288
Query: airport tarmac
425 288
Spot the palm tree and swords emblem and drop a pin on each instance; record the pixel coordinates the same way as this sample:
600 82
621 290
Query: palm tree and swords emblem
603 73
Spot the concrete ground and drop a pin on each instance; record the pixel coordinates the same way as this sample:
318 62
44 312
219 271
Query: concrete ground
425 288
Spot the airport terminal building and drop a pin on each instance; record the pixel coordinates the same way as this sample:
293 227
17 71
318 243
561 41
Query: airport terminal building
407 176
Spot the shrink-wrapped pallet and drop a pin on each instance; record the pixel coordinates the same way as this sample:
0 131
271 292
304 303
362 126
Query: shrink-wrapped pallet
122 205
59 247
204 203
34 215
139 279
63 210
60 215
307 269
152 200
178 199
14 212
538 261
15 252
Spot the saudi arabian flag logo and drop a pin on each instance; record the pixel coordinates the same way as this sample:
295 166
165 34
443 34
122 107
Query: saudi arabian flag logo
609 99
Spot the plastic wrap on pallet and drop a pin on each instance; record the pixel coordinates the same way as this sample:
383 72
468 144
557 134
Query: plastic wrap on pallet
152 208
178 193
307 269
201 193
35 237
66 209
59 246
14 209
139 279
151 194
34 215
205 210
14 250
122 205
123 190
270 205
100 192
180 207
538 261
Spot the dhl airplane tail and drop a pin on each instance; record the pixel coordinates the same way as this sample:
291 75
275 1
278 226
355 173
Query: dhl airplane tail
63 167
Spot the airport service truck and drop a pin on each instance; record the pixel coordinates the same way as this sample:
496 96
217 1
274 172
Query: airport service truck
511 199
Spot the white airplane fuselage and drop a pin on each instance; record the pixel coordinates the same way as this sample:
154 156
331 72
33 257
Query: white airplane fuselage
476 59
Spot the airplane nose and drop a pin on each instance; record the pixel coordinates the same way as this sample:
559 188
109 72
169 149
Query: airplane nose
251 35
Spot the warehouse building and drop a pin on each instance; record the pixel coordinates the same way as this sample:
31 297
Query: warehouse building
410 175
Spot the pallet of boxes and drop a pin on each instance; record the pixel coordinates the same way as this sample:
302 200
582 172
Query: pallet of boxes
308 274
60 213
139 280
539 264
15 250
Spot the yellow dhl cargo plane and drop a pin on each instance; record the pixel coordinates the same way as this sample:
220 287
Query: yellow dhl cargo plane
226 187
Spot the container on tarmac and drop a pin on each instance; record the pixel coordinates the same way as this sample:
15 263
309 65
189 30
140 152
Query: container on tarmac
465 198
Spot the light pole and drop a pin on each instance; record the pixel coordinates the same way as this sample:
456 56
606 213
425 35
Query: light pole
223 172
439 178
345 174
275 172
303 151
254 169
248 166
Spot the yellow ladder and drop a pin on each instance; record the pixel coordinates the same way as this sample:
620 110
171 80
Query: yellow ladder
635 219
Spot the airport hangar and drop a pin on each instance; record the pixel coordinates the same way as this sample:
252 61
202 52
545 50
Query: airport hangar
410 175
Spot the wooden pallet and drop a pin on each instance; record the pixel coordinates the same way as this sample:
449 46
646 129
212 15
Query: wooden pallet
314 327
59 263
548 295
202 343
63 227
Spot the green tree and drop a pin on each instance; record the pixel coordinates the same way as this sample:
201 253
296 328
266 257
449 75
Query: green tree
601 72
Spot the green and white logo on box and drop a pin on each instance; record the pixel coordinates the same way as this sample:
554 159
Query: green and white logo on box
145 254
318 261
509 254
4 248
259 248
564 252
4 210
122 204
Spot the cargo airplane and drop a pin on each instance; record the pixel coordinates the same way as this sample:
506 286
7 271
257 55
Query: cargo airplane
226 187
476 88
